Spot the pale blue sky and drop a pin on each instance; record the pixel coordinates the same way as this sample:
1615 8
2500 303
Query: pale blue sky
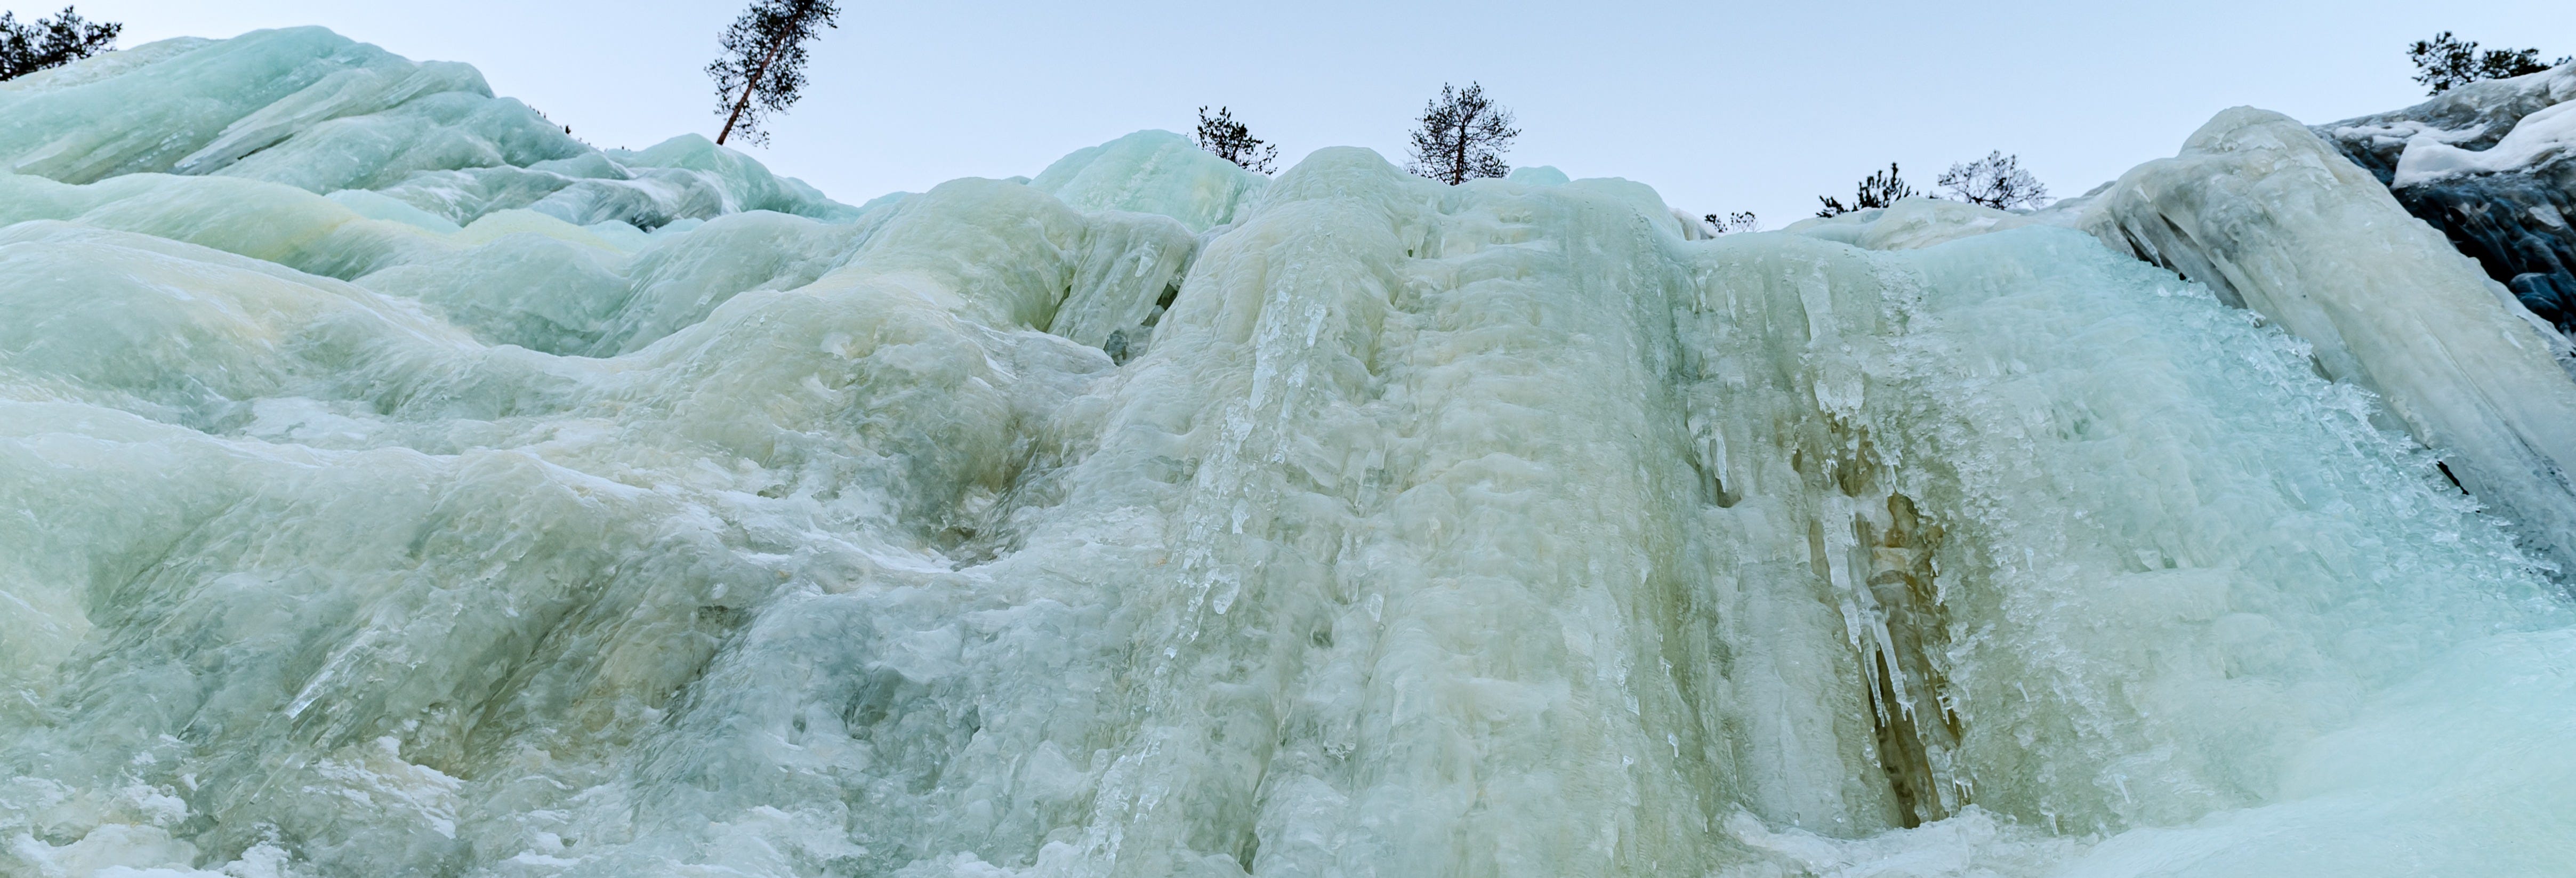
1721 106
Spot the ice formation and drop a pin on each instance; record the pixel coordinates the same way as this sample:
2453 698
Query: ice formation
2494 165
2264 213
392 485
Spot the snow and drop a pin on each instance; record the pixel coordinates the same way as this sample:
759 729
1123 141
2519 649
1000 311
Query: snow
521 509
2537 139
2452 129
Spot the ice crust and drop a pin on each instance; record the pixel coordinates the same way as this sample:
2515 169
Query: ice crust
1153 518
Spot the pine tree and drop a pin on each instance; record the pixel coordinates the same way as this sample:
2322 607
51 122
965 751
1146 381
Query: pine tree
1462 137
2446 62
1877 190
1231 141
763 68
50 42
1996 181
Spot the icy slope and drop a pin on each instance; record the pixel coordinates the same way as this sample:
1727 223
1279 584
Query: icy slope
1338 524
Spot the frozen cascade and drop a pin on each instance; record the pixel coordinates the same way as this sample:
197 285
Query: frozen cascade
2493 165
2272 219
1413 530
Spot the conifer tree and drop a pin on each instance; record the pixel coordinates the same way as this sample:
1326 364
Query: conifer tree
50 42
1877 190
1462 136
1231 141
2446 62
763 68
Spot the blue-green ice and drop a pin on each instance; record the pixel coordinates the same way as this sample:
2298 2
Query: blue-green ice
393 485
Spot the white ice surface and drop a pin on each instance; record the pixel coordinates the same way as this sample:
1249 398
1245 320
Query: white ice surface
1494 530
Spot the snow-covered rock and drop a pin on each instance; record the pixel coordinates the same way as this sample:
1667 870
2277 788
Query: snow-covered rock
2493 165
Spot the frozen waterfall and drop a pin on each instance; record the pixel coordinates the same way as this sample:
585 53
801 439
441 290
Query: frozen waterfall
2493 164
392 485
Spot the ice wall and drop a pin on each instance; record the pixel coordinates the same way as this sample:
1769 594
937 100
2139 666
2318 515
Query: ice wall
2268 216
2261 210
1146 519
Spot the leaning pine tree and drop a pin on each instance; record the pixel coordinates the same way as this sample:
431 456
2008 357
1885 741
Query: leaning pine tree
763 67
1462 137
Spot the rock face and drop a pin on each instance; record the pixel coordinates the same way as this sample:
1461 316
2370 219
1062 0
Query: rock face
2493 165
1152 518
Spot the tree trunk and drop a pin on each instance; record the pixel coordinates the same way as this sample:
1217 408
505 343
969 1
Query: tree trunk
753 84
1458 165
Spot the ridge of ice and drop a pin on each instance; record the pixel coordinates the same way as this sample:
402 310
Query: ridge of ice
1156 172
311 109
